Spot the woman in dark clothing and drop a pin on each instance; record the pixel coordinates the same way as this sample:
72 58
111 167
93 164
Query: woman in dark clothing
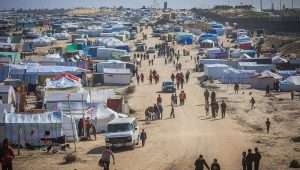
6 156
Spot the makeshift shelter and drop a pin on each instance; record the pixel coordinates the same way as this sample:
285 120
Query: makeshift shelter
231 76
10 57
279 60
63 81
216 53
264 79
61 36
8 95
110 53
111 42
254 66
207 43
28 128
208 36
214 71
184 38
292 83
43 41
113 76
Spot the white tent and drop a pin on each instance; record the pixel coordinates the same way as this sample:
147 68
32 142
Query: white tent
214 71
264 79
63 82
30 128
292 83
61 36
43 41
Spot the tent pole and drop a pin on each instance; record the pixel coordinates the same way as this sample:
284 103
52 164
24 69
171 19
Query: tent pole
72 122
83 118
19 139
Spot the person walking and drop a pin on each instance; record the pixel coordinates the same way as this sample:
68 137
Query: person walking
206 95
200 163
138 78
207 109
252 102
173 77
175 99
187 76
150 78
142 77
159 99
105 158
217 108
256 158
143 137
182 97
6 155
292 95
215 165
267 90
244 162
213 96
268 124
172 114
223 109
249 160
236 88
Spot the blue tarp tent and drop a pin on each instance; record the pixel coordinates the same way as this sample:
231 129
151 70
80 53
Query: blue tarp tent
208 36
184 38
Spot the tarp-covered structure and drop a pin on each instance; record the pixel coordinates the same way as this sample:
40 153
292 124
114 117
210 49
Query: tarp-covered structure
30 128
184 38
231 76
214 71
292 83
111 42
264 79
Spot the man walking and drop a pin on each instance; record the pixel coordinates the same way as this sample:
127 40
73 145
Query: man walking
215 165
249 160
143 137
105 158
172 114
256 159
223 109
206 95
200 163
244 161
268 124
252 102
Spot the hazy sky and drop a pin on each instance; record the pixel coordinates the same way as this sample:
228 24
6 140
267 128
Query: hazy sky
6 4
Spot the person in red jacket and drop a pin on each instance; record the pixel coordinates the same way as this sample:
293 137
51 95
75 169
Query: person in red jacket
6 156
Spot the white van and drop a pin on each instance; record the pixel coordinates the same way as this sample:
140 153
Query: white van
122 132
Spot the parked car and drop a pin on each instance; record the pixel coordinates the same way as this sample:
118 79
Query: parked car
168 86
122 132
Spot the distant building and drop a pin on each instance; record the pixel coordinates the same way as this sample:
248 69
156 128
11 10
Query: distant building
165 5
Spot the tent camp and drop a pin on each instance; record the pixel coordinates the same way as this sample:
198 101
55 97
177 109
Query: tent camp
254 66
29 128
292 83
264 79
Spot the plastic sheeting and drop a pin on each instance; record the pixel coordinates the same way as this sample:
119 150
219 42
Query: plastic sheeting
32 127
292 83
111 42
232 76
215 71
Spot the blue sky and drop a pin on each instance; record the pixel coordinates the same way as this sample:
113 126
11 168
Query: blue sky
6 4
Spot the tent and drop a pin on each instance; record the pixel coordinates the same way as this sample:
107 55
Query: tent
292 83
214 71
63 81
208 36
111 42
264 79
30 128
279 60
184 38
8 95
254 66
231 76
61 36
110 53
207 43
43 41
10 57
216 53
115 76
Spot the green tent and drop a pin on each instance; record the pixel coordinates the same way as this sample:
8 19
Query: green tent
11 57
71 48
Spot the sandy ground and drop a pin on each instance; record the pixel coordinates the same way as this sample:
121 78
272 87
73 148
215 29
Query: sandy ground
174 144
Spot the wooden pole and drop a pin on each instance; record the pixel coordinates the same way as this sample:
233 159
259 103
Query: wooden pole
72 122
83 117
